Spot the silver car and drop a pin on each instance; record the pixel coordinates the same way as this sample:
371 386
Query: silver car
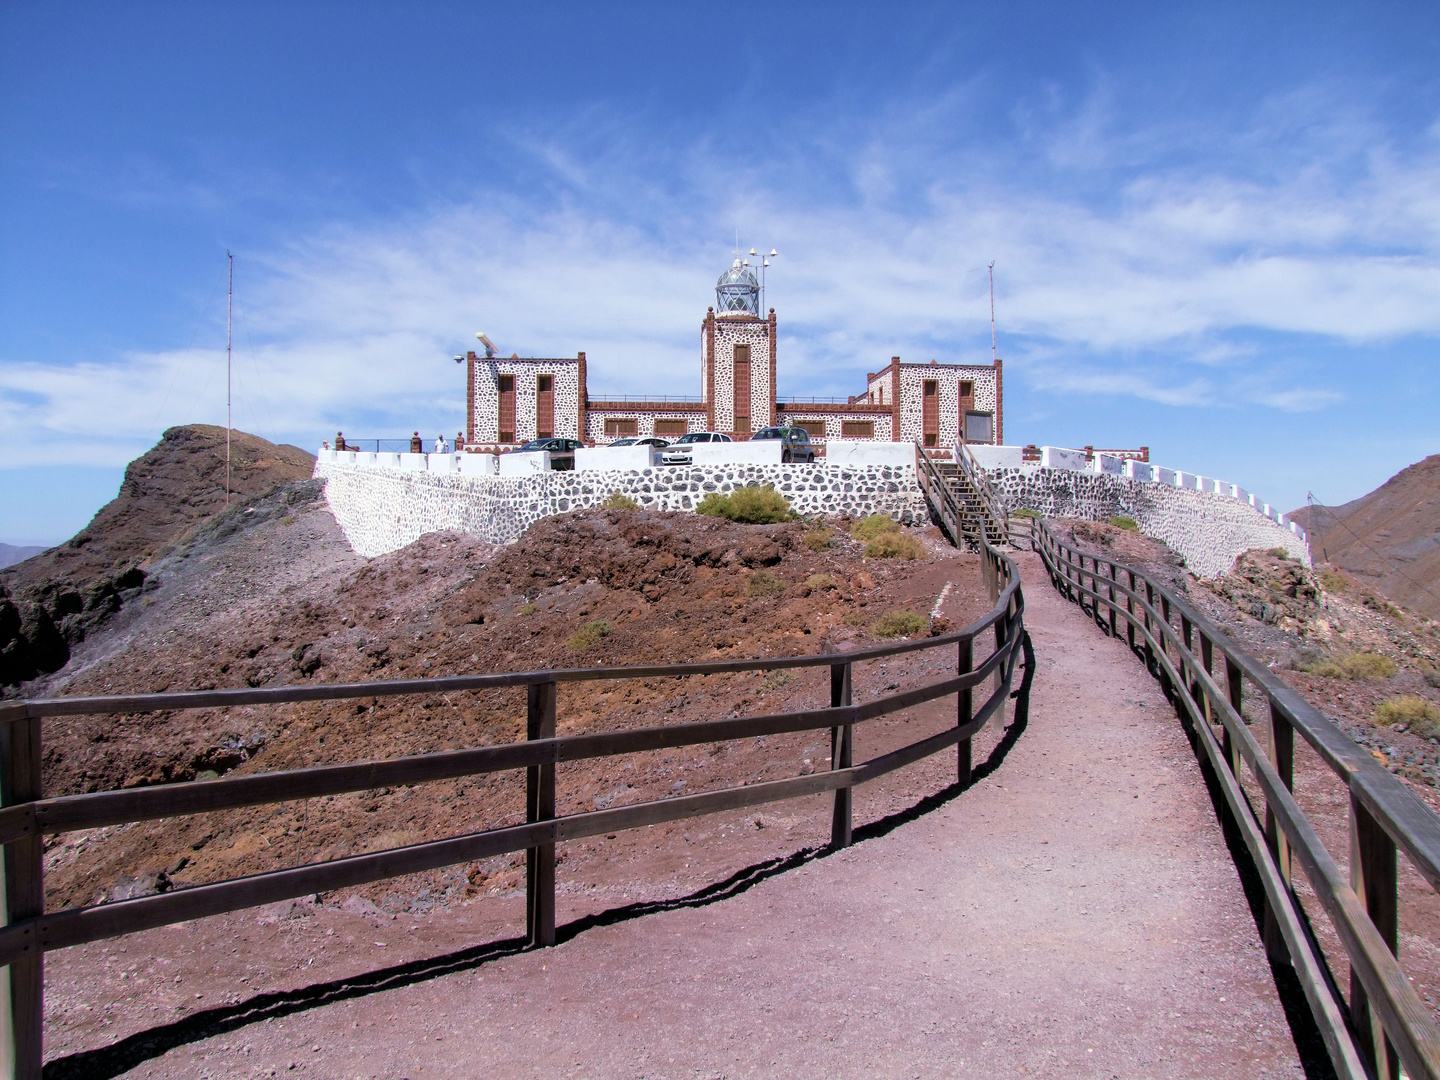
678 452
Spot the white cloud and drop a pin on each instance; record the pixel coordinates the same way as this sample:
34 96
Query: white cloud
354 326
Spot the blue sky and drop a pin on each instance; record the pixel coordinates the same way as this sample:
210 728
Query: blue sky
1216 231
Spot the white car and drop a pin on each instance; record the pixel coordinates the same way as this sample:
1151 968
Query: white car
678 452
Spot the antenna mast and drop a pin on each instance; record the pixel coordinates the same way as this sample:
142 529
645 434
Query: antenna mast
993 352
229 321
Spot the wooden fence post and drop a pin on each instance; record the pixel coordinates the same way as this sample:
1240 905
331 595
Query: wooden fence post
1114 615
1207 661
1235 688
1130 607
540 806
841 752
22 1047
1374 876
1150 628
964 708
1282 757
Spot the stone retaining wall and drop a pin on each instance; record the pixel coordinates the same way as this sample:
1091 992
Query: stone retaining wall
1207 528
382 510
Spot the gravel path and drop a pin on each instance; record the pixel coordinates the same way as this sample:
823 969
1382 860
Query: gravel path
1075 913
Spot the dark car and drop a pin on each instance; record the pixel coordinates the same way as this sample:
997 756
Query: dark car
643 440
795 442
562 451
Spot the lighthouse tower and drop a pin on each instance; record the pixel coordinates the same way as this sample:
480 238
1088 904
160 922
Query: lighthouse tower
737 356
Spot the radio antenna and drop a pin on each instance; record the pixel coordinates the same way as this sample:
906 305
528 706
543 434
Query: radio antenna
229 322
993 352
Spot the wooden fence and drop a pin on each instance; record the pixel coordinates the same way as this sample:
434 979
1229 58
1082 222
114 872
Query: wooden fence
26 816
1384 1025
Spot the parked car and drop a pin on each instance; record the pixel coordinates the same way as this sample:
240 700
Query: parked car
644 440
562 451
678 453
795 442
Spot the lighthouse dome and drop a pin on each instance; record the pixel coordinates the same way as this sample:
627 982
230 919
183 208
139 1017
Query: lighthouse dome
738 291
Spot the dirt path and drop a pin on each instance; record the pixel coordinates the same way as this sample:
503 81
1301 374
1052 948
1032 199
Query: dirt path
1075 913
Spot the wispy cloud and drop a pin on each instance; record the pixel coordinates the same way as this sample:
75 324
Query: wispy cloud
1147 293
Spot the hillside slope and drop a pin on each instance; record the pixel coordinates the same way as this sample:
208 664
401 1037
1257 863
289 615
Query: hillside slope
1389 539
49 602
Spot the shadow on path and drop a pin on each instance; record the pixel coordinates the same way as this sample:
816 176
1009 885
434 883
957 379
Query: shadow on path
110 1061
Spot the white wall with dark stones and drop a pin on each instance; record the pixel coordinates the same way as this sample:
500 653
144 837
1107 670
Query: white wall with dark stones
382 510
1207 528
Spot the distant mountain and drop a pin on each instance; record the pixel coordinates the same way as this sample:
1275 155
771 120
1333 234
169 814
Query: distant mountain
10 554
49 602
1390 538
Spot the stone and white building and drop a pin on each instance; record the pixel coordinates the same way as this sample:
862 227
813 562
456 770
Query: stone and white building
511 401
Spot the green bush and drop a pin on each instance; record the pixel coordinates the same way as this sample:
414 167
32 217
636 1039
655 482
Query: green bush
589 634
1129 524
816 582
616 501
1364 665
1025 514
867 528
764 583
894 545
526 609
855 618
750 505
900 623
820 538
1419 715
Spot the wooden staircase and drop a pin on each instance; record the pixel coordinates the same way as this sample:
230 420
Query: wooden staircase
961 499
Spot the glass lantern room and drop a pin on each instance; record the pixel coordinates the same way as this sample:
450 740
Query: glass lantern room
738 291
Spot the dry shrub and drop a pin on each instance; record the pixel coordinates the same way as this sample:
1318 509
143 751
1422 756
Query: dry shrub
616 501
1031 514
855 618
774 680
820 538
750 505
526 609
900 623
1129 524
1363 665
1409 713
1332 581
764 583
816 582
867 528
589 634
894 545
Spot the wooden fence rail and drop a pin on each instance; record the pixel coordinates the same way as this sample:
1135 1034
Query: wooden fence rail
26 815
1384 1025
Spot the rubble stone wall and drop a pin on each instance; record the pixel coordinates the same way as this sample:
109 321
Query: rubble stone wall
1207 528
382 510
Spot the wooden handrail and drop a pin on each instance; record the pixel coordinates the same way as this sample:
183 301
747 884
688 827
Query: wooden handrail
26 815
1386 1016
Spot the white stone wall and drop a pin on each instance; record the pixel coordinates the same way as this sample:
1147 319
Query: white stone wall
1207 528
832 422
487 397
382 510
728 334
644 423
912 417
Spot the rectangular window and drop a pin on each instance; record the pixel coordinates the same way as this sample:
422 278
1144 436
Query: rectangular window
967 389
930 412
979 427
814 428
544 406
742 389
507 408
857 429
671 427
620 425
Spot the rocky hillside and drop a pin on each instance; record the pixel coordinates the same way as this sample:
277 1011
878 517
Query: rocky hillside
1388 539
50 602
